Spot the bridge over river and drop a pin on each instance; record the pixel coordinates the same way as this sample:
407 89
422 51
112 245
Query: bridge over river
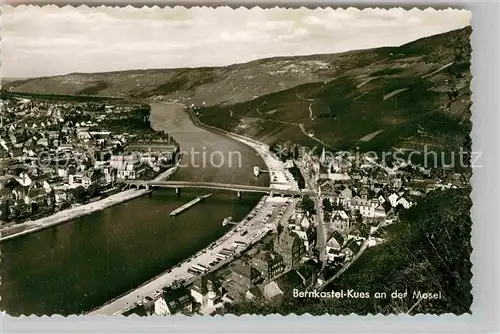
239 188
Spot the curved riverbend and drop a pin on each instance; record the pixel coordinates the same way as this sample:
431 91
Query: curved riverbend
75 267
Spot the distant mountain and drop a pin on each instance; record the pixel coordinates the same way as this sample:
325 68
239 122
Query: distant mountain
6 80
213 85
383 97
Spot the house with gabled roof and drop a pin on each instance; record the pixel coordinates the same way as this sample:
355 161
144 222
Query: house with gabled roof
268 263
290 246
327 188
403 202
36 195
333 248
380 211
393 199
339 221
205 290
174 302
345 196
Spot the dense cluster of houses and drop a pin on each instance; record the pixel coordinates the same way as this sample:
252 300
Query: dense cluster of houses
56 154
250 278
359 195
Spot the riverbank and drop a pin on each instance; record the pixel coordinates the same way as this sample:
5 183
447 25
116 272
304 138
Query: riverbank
67 215
255 228
284 179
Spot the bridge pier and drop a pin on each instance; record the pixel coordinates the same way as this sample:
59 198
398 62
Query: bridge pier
239 194
178 191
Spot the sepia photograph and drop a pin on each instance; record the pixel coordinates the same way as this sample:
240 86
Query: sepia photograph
216 161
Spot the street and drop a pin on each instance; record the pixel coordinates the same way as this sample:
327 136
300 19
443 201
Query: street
321 230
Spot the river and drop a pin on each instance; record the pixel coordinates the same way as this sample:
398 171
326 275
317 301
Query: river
74 267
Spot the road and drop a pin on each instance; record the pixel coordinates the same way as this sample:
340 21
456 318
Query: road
310 105
256 230
321 230
301 126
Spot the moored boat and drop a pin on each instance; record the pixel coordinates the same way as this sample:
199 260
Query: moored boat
226 220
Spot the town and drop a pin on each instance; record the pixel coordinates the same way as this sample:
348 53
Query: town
286 244
57 155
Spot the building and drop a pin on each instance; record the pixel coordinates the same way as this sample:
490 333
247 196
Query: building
345 196
363 194
328 188
5 196
129 171
119 161
205 292
268 263
245 275
363 205
60 196
380 211
305 237
403 202
290 247
36 196
340 221
24 179
109 174
272 292
368 208
84 135
174 302
332 249
84 179
19 193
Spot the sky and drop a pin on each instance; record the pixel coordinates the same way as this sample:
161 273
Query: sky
48 40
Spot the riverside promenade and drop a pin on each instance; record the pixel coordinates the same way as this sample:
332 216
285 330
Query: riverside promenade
67 215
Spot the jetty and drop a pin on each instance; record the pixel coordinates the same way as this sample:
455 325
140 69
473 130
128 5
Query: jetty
188 205
257 170
228 221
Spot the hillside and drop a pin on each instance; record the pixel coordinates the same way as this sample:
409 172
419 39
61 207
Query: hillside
212 85
400 97
415 94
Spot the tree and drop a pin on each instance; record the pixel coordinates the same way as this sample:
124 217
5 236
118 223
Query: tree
80 194
296 151
308 204
93 190
327 205
51 201
357 217
398 208
34 207
280 228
